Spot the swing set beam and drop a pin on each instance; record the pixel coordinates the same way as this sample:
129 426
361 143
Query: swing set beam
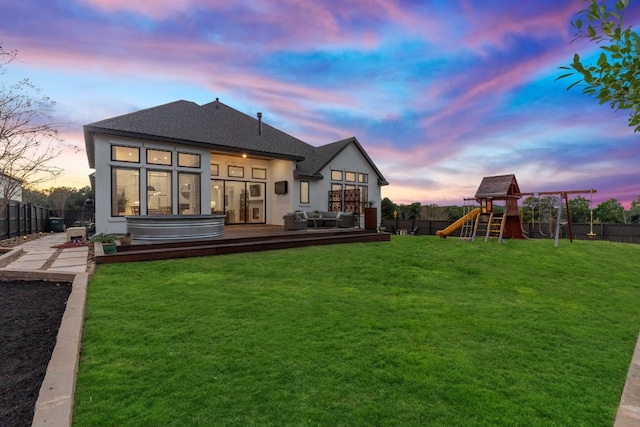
565 195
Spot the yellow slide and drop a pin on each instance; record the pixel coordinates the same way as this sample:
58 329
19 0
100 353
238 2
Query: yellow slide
453 227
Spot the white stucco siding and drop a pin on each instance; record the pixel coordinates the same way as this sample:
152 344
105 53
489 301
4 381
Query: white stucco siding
276 205
105 222
349 160
279 204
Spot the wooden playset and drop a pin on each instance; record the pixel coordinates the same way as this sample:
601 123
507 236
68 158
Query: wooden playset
481 218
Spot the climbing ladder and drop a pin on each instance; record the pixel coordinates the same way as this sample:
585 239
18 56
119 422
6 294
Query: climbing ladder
466 231
491 225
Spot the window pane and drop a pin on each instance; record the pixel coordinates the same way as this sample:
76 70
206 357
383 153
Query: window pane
255 202
158 157
257 173
336 175
159 193
189 195
188 160
125 154
336 187
304 191
217 197
364 193
125 192
215 170
363 178
350 176
235 171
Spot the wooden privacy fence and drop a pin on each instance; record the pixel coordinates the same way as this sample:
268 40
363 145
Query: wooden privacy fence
623 233
19 219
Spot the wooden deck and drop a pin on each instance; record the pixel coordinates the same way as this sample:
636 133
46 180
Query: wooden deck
241 238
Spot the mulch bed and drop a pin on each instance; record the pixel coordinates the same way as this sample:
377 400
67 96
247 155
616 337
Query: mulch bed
30 316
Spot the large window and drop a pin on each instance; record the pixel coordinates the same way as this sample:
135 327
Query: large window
159 192
304 191
189 193
125 191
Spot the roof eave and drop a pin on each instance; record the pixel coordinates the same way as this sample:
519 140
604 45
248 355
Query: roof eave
89 131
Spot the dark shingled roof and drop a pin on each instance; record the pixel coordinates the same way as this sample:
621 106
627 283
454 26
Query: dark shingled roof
219 127
496 187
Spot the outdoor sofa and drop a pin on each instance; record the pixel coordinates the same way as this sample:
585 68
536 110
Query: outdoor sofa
295 220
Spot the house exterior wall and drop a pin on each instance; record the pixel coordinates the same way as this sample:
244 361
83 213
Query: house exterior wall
105 222
349 160
276 205
7 183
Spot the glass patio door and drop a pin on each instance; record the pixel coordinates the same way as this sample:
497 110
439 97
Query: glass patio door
241 202
234 197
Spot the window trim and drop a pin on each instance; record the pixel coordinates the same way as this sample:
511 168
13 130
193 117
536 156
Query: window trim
261 176
113 190
151 162
195 155
238 168
304 192
116 146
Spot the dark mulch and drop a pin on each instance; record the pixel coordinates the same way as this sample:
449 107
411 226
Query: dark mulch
30 315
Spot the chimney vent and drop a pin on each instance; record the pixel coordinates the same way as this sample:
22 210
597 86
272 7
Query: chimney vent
259 123
217 102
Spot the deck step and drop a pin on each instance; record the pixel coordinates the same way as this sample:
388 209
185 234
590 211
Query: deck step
159 251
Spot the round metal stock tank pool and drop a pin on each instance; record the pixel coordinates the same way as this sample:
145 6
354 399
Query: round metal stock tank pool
174 227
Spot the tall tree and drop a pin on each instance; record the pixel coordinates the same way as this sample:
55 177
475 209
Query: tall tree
610 211
614 78
29 139
580 210
634 212
387 207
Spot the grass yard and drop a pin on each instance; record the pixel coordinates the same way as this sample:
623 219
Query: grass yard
417 331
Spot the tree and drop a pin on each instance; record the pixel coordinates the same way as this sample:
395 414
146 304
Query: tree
610 211
37 197
614 78
387 207
634 212
580 210
411 211
58 199
29 139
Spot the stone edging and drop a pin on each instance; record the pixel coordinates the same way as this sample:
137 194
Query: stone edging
629 410
8 257
54 406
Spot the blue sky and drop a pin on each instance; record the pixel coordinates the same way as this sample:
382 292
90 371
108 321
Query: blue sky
439 93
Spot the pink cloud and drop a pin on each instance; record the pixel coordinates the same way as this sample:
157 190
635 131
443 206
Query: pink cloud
157 9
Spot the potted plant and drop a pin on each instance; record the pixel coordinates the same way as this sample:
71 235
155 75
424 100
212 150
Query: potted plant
370 215
125 240
108 242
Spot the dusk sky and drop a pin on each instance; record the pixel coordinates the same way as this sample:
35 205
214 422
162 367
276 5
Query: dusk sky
440 93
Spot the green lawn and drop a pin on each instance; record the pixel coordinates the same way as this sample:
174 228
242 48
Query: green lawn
417 331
